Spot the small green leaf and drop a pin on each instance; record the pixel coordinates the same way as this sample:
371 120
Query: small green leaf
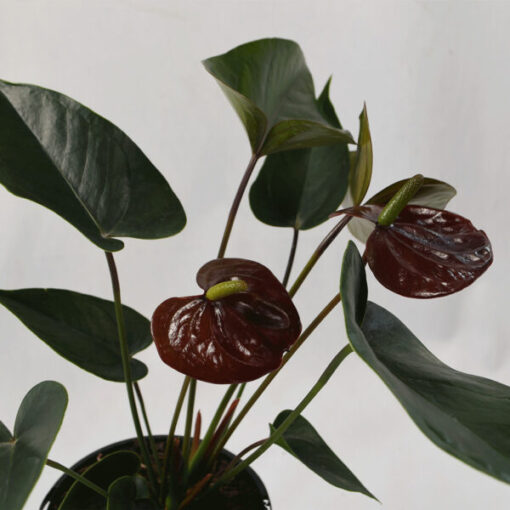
361 171
353 285
465 415
23 455
81 328
303 442
271 89
60 154
301 188
433 193
122 495
103 473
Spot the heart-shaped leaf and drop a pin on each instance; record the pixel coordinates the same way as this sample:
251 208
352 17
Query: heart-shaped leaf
81 328
301 188
122 495
103 473
23 455
303 442
433 193
465 415
237 337
361 162
60 154
425 253
271 89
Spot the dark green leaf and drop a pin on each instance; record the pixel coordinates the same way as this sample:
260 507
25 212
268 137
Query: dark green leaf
23 456
81 328
301 188
142 487
62 155
103 473
271 89
122 495
465 415
433 193
353 285
5 435
303 442
361 171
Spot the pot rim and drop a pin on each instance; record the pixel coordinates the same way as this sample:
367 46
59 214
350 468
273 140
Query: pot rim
120 445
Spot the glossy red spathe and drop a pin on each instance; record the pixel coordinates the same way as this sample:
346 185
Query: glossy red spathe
237 338
425 252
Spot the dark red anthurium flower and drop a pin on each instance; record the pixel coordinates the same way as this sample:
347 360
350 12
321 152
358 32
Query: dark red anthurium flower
425 252
236 331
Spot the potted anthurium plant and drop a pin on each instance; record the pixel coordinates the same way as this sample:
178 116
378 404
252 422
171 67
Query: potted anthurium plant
241 324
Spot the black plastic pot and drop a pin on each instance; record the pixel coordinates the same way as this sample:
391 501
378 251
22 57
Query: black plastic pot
245 492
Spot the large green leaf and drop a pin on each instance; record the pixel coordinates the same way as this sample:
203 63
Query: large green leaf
301 188
122 495
361 162
103 473
271 89
62 155
303 442
23 455
465 415
81 328
433 193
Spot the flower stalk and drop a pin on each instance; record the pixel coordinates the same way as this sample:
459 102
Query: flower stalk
278 433
127 368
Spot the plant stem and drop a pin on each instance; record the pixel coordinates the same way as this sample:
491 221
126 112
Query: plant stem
269 378
292 254
127 367
240 391
231 218
194 490
242 453
171 433
204 445
316 255
152 443
75 476
277 434
189 421
235 204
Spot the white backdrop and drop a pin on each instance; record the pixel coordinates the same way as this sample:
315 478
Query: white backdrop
436 81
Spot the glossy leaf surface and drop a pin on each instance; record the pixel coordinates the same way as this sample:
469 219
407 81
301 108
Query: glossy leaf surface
60 154
465 415
234 339
433 193
303 442
271 89
301 188
23 456
103 473
426 252
81 328
122 495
